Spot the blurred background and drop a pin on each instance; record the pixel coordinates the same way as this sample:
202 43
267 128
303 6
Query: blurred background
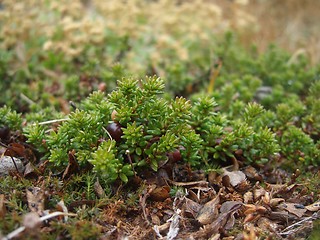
71 47
292 24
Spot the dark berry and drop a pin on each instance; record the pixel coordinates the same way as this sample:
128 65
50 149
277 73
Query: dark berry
115 131
175 156
4 132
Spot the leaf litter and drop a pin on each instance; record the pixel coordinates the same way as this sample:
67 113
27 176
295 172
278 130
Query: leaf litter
236 203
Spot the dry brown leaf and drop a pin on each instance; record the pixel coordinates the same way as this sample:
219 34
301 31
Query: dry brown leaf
282 189
257 209
281 216
212 177
314 206
225 208
275 187
248 197
251 217
192 207
155 219
298 231
30 171
160 193
163 228
252 173
35 198
73 166
258 193
235 177
216 236
243 186
218 224
209 211
296 209
276 201
15 150
193 196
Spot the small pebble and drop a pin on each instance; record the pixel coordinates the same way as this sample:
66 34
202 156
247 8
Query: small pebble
7 165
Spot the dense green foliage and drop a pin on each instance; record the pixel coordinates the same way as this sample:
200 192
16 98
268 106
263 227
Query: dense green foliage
148 126
250 107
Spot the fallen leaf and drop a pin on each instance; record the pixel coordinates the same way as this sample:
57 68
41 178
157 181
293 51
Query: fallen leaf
314 206
209 211
284 190
215 237
248 197
194 196
225 208
281 216
35 198
235 177
296 209
276 201
251 218
258 193
155 219
252 173
15 150
160 193
73 166
30 171
218 224
251 234
192 207
254 209
298 231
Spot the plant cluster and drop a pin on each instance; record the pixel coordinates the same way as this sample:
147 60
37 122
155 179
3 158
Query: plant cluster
135 127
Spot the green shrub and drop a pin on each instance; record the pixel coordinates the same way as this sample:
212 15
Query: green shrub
135 128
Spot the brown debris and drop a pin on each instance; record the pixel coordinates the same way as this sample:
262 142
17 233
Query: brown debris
209 211
35 197
98 189
213 206
31 171
192 207
314 207
220 223
73 166
2 206
143 198
296 209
